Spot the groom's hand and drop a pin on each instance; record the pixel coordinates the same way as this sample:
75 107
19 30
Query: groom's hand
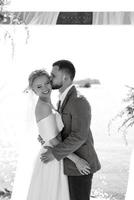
47 156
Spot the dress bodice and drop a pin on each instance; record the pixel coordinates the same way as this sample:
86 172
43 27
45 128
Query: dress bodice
50 126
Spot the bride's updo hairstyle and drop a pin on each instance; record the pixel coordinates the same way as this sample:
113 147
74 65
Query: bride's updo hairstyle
35 74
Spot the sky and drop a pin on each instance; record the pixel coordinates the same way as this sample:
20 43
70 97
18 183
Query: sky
104 52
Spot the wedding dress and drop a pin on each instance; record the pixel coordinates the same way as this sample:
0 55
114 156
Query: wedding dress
48 181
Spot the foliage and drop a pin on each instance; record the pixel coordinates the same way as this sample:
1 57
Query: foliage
8 163
126 115
3 3
10 18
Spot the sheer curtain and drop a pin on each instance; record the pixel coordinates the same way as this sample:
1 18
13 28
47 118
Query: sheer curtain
113 18
38 18
100 18
130 187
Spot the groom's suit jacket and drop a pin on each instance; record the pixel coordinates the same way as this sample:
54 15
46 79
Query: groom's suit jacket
76 134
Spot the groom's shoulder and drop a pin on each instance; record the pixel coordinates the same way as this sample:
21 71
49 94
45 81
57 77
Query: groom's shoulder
79 96
79 99
79 105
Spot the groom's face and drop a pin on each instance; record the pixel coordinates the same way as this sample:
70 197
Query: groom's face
57 78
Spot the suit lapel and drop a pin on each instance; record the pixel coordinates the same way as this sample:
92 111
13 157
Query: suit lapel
71 91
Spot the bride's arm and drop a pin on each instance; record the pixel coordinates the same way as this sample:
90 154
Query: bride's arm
81 164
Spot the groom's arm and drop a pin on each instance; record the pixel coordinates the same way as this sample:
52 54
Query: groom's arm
81 117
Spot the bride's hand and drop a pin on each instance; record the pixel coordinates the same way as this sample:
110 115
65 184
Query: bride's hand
83 166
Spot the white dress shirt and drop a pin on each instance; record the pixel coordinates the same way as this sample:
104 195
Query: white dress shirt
63 95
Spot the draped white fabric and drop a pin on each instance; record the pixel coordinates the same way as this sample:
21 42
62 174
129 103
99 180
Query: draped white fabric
115 18
38 18
100 18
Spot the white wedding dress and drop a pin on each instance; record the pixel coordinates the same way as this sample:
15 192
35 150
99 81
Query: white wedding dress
48 181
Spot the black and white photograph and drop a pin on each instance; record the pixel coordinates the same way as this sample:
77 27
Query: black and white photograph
66 104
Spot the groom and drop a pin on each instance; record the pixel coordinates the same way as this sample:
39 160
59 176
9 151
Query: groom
76 134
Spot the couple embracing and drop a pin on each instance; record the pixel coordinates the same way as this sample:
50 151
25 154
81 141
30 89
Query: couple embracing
67 159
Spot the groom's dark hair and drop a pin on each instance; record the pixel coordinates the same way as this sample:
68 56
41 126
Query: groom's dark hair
67 67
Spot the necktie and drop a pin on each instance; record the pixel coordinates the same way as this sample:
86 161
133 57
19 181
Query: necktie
58 106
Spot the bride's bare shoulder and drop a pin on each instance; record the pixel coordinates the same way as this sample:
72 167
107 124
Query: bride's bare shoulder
42 110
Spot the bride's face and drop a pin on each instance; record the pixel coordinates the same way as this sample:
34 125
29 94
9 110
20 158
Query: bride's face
42 86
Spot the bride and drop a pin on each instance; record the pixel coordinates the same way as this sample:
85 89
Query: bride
48 180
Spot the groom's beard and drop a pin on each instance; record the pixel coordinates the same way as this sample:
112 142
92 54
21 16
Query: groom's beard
57 86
